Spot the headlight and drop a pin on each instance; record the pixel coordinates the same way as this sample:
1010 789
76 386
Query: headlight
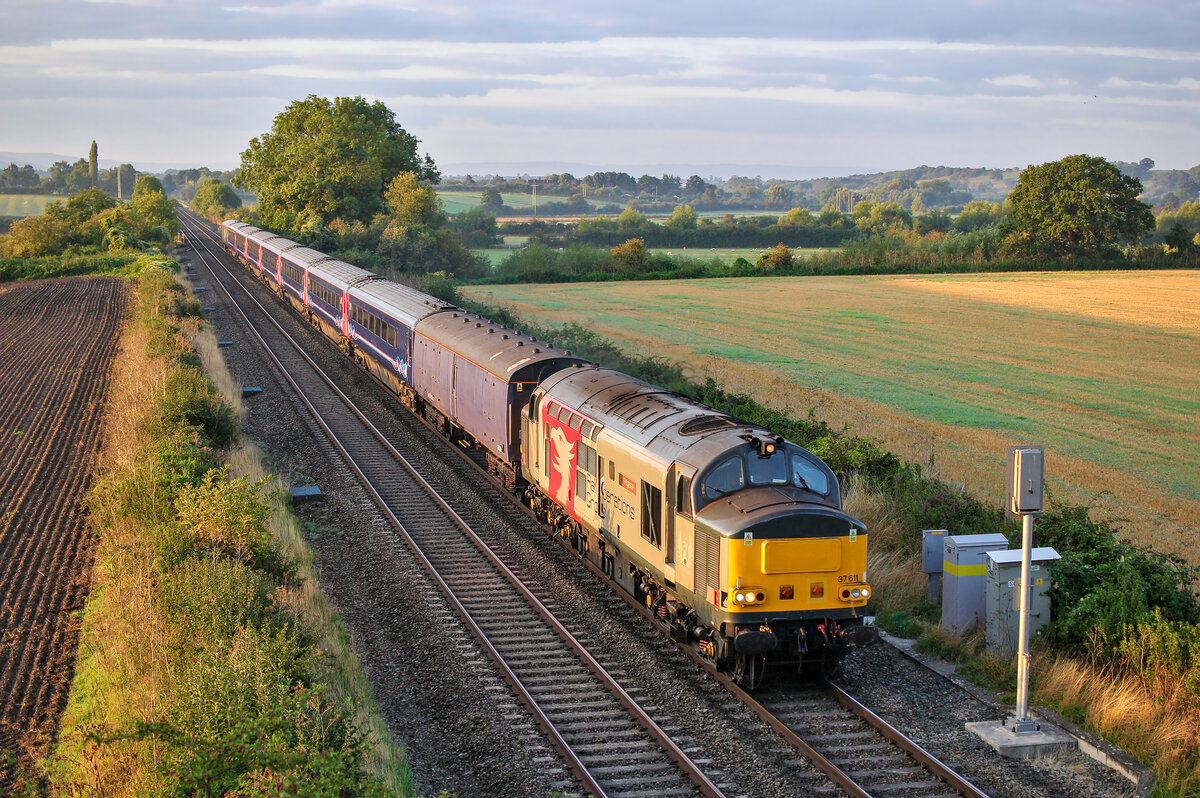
740 598
855 593
866 591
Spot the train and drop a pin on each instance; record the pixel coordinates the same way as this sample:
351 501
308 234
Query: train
733 537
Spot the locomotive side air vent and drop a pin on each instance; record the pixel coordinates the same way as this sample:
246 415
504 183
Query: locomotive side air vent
703 424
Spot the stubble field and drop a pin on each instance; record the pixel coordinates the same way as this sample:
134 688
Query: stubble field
1103 368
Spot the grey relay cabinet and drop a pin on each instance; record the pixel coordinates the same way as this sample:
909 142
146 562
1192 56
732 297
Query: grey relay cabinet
964 567
1003 601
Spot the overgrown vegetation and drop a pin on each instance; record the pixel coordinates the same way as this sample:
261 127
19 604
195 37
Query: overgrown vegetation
92 222
59 266
204 668
1119 611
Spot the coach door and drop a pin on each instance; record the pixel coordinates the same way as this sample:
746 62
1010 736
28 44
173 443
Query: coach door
681 528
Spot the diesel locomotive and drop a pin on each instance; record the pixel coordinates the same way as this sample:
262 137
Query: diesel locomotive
733 537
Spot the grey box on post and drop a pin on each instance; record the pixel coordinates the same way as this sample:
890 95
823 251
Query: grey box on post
1003 597
964 566
1026 473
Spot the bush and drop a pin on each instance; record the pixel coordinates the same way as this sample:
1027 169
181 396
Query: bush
211 599
1105 586
192 399
224 518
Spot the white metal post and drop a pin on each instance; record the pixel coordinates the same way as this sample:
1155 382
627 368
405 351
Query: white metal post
1023 656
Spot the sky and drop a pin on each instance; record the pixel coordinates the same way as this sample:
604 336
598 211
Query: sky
736 86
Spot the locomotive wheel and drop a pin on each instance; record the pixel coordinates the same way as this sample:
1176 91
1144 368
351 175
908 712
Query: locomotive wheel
750 670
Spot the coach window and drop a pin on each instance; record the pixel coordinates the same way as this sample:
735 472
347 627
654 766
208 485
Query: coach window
726 478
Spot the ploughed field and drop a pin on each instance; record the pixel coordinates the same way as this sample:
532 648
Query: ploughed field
57 342
1103 368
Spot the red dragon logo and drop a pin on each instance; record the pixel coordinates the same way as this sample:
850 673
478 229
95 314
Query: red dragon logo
564 451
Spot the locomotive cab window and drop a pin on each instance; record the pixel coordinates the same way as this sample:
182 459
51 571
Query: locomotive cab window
806 474
726 478
771 470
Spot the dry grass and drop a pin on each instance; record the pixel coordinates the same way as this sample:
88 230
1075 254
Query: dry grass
895 576
1164 737
949 371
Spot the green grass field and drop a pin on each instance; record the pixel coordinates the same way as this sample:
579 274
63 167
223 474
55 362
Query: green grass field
1101 368
726 254
25 204
456 200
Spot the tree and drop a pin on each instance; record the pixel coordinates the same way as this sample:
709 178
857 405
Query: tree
798 217
328 159
630 257
491 199
147 184
153 217
780 196
777 259
35 236
632 220
976 215
1080 205
1180 239
694 186
682 219
94 163
214 198
409 202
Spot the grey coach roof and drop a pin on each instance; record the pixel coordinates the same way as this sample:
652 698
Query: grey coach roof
339 274
407 305
488 345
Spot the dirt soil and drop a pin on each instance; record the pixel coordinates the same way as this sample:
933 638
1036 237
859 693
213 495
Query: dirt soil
57 343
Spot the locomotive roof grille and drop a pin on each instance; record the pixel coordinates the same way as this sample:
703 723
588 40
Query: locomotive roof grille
703 424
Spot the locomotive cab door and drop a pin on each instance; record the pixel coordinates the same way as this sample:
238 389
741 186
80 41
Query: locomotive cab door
680 524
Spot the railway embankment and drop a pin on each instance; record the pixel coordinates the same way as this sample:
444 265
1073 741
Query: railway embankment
209 661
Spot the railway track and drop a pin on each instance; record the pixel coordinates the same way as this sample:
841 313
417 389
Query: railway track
609 742
855 749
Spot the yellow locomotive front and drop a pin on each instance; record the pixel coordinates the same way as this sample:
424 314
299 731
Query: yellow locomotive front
785 577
